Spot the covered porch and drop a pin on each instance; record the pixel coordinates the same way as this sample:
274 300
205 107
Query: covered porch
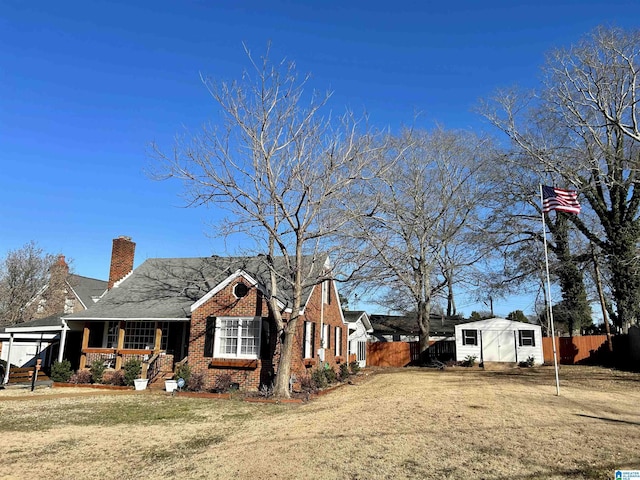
159 345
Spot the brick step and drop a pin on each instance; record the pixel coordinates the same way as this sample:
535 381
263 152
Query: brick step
158 381
25 375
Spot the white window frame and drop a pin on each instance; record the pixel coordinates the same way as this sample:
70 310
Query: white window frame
531 339
338 341
469 339
242 325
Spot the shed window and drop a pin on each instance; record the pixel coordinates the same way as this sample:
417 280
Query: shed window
527 338
469 337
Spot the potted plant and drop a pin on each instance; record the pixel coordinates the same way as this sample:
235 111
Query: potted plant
170 385
140 383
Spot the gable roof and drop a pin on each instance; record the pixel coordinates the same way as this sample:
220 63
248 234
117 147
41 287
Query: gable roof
86 289
439 325
497 323
166 288
352 316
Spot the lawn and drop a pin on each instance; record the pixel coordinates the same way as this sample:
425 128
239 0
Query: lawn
408 423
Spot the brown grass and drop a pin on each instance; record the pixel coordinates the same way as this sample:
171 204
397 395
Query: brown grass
405 423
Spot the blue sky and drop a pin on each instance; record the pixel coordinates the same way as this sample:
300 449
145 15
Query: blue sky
86 86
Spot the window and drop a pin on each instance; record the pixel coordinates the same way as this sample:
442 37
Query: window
469 337
141 335
238 337
362 351
527 338
112 335
309 334
326 292
240 290
338 342
326 336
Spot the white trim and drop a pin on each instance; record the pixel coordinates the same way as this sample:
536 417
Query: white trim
237 274
216 339
29 336
34 329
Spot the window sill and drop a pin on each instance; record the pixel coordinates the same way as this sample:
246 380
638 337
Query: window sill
309 362
240 363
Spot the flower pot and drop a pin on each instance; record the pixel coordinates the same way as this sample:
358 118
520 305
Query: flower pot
170 385
140 383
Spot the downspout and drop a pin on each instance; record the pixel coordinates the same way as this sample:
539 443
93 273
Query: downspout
63 340
322 339
6 373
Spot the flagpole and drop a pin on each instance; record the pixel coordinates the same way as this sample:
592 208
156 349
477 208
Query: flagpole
546 262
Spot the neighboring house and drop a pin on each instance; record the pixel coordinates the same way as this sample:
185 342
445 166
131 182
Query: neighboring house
65 293
210 312
499 340
359 331
404 328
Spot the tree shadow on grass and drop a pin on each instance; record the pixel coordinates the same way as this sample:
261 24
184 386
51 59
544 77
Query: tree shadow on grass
613 420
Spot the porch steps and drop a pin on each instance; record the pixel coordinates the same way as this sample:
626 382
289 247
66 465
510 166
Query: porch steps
158 382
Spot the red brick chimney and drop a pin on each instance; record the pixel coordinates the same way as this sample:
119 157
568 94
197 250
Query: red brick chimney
121 259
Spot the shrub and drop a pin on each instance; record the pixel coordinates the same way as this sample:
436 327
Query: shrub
97 371
222 382
344 371
113 377
61 371
81 376
330 375
528 363
196 382
469 361
307 384
319 378
183 372
132 370
355 367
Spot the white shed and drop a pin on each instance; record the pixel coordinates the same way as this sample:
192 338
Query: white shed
499 340
359 331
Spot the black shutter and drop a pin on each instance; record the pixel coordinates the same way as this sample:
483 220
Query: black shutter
313 340
209 336
265 339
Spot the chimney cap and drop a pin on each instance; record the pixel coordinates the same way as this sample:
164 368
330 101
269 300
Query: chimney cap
124 237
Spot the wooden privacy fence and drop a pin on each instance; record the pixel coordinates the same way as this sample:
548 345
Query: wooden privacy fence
572 350
401 354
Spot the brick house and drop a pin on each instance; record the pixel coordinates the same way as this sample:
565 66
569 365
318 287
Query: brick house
210 312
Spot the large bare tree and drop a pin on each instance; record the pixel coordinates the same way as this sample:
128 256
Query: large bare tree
278 167
411 222
23 274
582 127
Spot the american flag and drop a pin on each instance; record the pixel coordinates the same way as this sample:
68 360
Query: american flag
560 200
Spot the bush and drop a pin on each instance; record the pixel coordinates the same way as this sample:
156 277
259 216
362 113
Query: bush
97 371
113 377
61 371
222 383
355 367
319 378
469 361
183 372
528 363
132 370
196 382
307 384
330 375
81 376
344 371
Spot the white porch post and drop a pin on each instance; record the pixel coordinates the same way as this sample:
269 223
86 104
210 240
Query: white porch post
6 373
63 340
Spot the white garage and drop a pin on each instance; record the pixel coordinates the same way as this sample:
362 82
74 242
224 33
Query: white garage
499 340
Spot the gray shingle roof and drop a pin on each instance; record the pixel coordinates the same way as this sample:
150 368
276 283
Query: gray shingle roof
165 288
87 288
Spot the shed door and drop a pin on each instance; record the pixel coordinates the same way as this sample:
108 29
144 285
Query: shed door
498 346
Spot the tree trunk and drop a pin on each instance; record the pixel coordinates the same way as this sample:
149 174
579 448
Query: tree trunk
281 382
423 326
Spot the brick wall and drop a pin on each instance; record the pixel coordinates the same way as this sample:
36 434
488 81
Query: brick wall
250 377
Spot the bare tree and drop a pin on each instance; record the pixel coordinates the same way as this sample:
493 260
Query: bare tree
583 128
409 221
278 167
24 272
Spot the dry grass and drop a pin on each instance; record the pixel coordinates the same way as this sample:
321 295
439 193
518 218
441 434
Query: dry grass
408 423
